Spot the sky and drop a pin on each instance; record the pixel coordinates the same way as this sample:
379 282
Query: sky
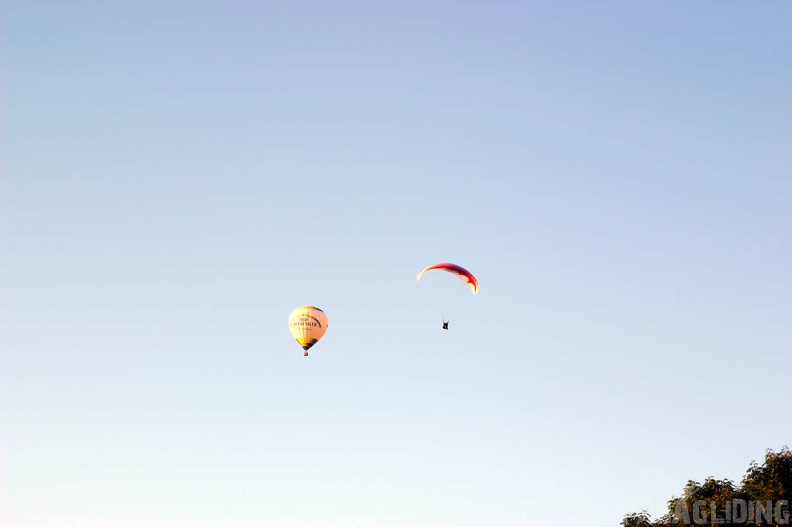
179 175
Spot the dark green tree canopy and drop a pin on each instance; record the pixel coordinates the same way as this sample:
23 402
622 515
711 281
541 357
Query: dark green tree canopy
762 498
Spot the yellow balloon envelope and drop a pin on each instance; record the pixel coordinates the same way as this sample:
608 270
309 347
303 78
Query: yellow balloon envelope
308 324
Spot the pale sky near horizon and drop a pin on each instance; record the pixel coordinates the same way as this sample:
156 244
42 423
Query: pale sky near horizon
179 175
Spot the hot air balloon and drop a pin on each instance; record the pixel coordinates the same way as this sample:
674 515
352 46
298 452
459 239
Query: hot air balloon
461 272
308 324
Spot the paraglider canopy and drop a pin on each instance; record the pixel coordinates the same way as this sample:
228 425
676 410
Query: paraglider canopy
461 272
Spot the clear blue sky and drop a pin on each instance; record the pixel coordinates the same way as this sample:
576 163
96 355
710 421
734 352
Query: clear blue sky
179 175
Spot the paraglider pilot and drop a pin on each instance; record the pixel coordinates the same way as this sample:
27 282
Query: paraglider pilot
445 324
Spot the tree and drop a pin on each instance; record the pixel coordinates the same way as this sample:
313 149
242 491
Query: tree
702 504
762 498
770 482
637 519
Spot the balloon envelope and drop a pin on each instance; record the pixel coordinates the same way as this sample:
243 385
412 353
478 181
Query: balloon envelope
461 272
308 324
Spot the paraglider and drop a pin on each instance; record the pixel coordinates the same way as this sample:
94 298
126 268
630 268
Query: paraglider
465 275
308 324
461 272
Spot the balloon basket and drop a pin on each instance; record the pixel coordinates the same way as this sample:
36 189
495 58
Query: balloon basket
305 354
